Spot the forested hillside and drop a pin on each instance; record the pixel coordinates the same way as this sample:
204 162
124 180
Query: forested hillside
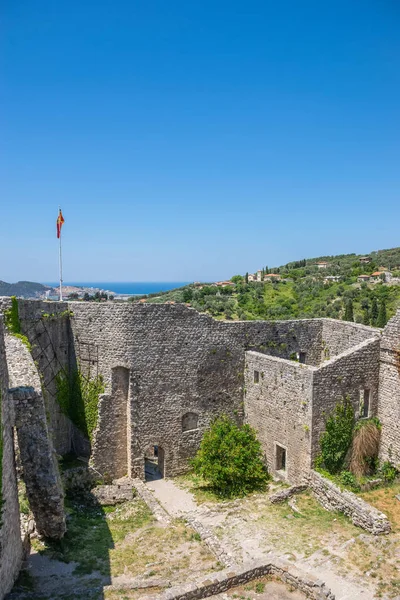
303 292
25 289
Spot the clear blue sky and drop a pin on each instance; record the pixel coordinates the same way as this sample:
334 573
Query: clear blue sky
194 139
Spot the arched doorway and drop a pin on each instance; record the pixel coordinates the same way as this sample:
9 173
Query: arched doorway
154 460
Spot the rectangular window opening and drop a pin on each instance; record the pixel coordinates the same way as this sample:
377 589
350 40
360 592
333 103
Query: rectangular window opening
302 357
364 403
280 458
256 376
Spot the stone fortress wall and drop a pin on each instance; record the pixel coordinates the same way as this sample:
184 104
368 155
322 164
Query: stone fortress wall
36 453
11 551
389 390
347 375
278 404
286 401
168 371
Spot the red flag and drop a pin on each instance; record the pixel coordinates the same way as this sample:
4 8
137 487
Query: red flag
60 223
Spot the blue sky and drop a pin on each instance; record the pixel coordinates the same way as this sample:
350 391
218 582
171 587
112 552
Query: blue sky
194 140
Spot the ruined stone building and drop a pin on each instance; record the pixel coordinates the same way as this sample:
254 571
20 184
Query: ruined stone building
153 378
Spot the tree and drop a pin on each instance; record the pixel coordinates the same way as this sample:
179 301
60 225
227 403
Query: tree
382 315
349 314
237 279
187 294
374 312
247 278
366 317
230 459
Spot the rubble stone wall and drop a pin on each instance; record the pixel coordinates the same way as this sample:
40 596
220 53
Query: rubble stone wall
278 405
332 498
389 391
39 465
161 363
52 350
11 551
344 376
340 336
179 362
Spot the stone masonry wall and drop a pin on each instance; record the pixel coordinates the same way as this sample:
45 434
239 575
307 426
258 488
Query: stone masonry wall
11 552
346 375
389 391
175 361
332 498
339 336
52 349
278 406
179 361
38 460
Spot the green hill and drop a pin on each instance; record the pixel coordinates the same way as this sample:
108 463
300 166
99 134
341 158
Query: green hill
24 289
303 292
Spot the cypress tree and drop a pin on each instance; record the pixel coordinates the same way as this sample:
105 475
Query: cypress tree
246 278
348 313
374 312
382 316
366 317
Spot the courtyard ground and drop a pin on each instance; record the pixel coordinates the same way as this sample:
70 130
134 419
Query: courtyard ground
353 563
107 550
122 552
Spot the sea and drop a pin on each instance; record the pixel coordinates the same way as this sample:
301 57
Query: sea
131 288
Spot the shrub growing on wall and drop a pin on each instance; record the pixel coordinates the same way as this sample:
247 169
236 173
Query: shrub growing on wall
12 317
78 397
230 459
336 439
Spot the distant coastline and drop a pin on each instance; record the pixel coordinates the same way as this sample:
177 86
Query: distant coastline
125 287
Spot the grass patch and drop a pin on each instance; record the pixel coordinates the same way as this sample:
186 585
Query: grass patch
127 540
201 489
384 499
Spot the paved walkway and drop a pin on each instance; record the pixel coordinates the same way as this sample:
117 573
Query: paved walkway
242 549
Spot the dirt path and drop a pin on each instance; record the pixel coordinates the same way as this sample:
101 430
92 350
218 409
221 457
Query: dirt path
239 535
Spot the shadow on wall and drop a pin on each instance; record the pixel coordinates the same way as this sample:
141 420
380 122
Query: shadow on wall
78 566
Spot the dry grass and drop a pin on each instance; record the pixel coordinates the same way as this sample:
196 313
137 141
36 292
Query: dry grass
365 445
122 543
384 499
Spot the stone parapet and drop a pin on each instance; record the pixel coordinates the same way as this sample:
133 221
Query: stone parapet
362 514
11 547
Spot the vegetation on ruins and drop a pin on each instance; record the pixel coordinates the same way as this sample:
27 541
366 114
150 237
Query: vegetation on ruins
13 323
365 447
349 449
302 292
230 459
336 440
78 398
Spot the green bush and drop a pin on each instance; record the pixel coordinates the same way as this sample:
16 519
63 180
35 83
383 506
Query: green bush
230 459
348 480
337 437
388 471
11 316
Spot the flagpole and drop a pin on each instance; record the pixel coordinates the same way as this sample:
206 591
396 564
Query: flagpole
60 265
